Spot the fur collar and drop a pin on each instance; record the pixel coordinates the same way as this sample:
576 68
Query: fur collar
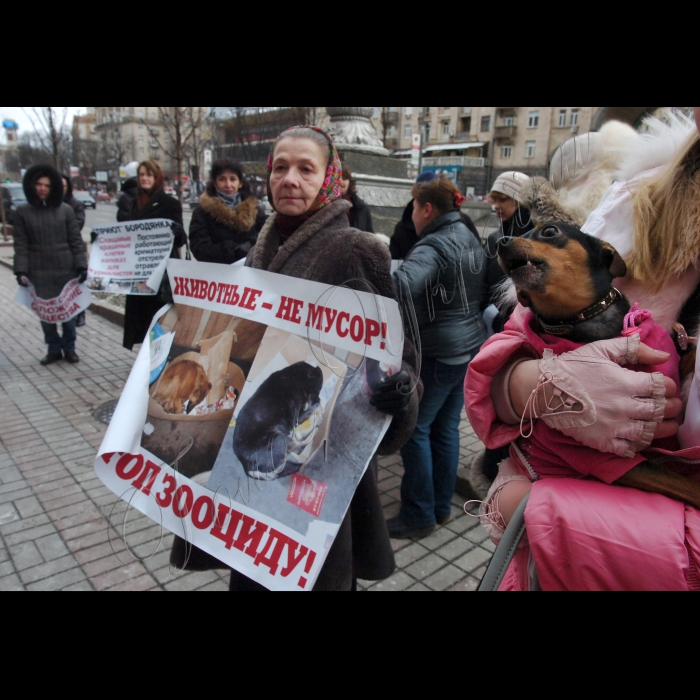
268 255
241 219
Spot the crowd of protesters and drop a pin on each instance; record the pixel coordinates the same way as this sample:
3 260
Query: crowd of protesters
447 284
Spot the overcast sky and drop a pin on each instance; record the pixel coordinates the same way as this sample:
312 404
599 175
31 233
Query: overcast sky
17 114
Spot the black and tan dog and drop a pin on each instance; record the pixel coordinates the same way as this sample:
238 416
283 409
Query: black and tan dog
566 278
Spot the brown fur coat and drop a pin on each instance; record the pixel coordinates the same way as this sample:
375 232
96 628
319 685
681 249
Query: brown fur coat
222 235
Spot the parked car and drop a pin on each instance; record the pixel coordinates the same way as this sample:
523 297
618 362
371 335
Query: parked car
12 197
86 198
104 197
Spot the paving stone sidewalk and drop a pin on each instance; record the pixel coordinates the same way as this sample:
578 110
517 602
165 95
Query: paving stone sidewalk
61 529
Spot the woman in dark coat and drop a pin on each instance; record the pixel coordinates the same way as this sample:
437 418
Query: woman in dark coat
443 277
76 206
49 251
152 203
360 215
226 223
310 238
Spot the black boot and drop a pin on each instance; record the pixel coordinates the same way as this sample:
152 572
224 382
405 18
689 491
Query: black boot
72 357
51 358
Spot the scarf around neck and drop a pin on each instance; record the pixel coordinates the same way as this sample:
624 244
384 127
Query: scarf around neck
230 200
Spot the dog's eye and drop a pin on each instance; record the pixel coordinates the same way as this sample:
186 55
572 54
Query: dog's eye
550 232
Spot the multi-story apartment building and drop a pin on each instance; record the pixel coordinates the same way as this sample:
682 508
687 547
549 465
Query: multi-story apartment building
141 133
475 144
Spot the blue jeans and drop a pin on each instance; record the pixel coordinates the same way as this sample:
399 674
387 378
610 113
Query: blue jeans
55 342
431 457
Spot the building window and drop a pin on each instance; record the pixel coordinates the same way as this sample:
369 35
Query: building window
574 117
533 120
486 123
506 151
562 117
407 131
509 120
531 149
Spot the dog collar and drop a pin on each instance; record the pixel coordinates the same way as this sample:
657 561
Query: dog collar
565 327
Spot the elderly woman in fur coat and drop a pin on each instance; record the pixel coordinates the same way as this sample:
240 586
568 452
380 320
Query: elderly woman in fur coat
226 223
310 238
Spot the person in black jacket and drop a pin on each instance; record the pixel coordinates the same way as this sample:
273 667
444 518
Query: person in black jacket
440 286
226 223
360 215
405 236
152 203
79 209
130 191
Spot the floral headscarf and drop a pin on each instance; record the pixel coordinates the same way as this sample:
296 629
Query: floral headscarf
331 188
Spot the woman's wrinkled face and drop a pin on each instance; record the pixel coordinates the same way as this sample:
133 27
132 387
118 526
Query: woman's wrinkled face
228 183
43 187
345 186
146 180
505 206
299 170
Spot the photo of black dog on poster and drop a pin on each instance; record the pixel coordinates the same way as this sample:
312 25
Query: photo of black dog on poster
270 429
302 435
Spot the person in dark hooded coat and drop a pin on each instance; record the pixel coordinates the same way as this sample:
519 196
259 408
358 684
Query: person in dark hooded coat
75 205
49 251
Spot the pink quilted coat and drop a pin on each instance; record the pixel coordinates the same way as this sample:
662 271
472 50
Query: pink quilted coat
584 534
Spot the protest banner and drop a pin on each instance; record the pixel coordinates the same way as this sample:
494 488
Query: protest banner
130 258
245 426
73 300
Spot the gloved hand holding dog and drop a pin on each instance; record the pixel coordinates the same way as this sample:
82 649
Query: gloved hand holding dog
589 396
394 395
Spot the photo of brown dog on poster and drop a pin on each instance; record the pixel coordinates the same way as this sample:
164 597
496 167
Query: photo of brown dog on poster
193 399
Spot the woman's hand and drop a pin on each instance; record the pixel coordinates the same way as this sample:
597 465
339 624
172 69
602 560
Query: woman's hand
610 408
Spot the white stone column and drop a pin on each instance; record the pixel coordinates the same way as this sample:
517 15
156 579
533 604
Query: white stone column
352 130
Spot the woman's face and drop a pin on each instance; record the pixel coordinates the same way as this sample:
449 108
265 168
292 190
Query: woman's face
43 187
146 180
228 183
505 206
299 169
345 186
422 215
66 186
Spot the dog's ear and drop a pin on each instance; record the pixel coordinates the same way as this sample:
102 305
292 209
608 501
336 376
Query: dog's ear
614 261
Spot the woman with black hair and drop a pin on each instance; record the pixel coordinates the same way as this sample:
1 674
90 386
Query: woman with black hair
360 215
226 223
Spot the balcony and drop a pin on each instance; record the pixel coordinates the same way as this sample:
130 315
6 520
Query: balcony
459 161
505 132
